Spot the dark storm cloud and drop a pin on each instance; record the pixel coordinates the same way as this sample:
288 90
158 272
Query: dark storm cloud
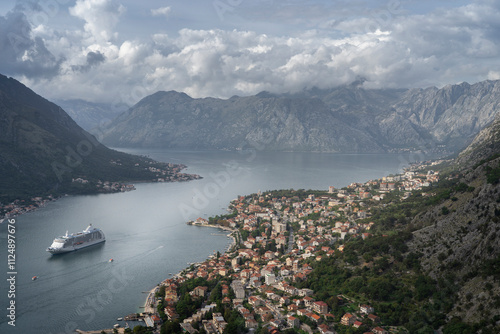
93 59
20 52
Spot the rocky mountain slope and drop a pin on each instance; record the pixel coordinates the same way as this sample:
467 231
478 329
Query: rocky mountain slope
461 237
343 119
484 145
264 121
454 114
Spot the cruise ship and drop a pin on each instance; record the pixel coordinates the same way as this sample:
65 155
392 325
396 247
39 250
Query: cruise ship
74 241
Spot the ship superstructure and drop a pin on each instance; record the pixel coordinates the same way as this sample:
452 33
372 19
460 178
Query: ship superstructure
74 241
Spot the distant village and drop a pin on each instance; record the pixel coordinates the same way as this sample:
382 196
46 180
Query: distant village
168 173
276 238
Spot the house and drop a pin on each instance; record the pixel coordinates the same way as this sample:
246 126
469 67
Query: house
373 318
200 291
209 327
243 311
357 324
324 329
254 301
315 317
379 330
302 311
170 312
275 323
270 279
308 301
320 307
187 327
284 301
219 322
155 319
366 309
263 311
251 323
239 290
293 322
348 319
305 292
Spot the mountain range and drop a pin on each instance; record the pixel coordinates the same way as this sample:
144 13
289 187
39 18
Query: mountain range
42 150
450 231
343 119
90 115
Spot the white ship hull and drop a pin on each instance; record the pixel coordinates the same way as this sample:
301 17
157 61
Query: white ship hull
72 248
72 242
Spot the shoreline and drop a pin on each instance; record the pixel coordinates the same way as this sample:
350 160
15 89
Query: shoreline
44 200
150 298
231 248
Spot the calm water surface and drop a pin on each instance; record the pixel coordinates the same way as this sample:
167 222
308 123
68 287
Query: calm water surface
146 232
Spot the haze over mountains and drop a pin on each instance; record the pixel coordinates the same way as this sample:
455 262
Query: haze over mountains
90 115
343 119
36 133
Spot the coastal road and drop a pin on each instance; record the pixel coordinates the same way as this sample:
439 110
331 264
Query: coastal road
149 307
107 331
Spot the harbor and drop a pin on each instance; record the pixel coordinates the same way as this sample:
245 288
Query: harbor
147 236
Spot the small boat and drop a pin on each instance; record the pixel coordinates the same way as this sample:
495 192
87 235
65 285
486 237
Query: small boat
116 326
34 278
110 260
119 319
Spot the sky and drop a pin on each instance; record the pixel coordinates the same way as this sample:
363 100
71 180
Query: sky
119 51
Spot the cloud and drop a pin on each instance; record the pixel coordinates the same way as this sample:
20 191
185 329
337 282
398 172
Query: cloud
93 59
21 52
100 16
163 11
396 50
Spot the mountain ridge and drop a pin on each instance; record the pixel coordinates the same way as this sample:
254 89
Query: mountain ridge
344 119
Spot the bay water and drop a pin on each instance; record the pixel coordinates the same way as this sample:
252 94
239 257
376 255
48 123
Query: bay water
146 232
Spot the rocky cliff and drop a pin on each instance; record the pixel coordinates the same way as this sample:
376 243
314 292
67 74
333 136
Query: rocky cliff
461 240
